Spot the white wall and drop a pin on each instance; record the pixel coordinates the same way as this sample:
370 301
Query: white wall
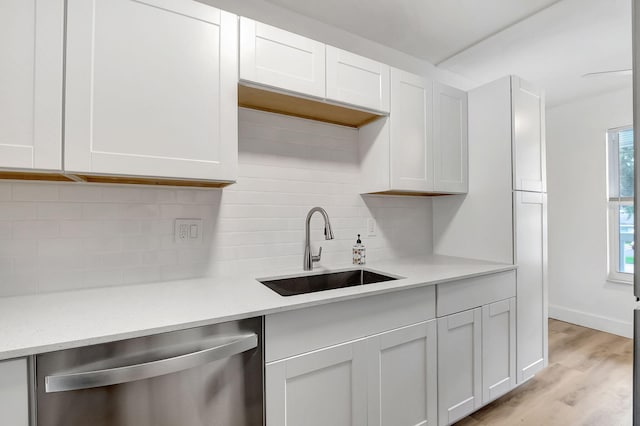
576 180
59 236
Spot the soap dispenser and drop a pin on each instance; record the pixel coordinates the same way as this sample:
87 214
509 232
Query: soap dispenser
359 252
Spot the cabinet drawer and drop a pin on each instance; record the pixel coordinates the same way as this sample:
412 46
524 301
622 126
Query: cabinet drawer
471 293
296 332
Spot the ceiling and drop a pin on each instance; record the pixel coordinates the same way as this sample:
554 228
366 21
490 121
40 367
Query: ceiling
548 42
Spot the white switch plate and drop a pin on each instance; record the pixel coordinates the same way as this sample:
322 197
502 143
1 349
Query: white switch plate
371 227
188 231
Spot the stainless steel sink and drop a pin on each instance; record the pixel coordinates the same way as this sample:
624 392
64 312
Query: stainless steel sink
319 282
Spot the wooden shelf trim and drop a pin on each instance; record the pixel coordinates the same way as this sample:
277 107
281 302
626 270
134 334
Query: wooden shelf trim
129 180
318 110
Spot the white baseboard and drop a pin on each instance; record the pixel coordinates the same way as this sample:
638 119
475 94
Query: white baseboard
597 322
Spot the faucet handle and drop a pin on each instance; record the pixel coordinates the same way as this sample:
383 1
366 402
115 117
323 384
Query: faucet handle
317 258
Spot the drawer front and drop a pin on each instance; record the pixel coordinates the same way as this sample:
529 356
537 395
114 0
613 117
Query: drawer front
471 293
303 330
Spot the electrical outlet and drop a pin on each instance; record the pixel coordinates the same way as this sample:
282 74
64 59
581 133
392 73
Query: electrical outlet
188 231
371 227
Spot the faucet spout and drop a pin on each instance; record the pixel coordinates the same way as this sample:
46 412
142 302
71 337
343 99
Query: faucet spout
328 235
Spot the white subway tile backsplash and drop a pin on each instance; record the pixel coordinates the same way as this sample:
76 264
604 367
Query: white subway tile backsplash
122 194
102 277
18 211
36 192
18 248
5 191
58 210
34 229
62 236
80 193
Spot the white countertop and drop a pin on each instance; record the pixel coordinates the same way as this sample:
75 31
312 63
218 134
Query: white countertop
53 321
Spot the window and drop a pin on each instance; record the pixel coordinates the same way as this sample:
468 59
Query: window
621 208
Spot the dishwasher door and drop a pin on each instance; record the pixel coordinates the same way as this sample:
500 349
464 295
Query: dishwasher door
209 375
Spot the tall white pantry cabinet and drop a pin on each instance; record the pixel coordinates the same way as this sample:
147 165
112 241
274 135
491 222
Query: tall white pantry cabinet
503 217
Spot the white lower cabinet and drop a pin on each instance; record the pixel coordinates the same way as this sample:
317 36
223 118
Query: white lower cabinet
498 349
324 387
459 365
388 379
14 392
476 358
402 376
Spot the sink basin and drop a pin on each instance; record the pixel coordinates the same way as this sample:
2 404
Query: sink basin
320 282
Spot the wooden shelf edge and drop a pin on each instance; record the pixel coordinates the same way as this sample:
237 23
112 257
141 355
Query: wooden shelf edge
311 109
411 193
115 179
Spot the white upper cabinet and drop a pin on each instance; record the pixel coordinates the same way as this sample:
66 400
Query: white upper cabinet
450 146
529 156
286 61
411 132
421 148
355 80
151 89
31 45
278 58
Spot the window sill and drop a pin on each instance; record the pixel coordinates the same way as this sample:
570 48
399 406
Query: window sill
619 281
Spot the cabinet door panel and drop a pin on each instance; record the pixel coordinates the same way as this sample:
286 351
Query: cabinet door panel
357 80
459 365
529 156
31 83
498 349
14 392
450 147
403 362
325 387
158 96
411 132
531 283
281 59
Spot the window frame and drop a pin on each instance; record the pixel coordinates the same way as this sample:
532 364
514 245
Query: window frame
614 202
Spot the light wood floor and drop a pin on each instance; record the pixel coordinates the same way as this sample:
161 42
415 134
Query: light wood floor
588 382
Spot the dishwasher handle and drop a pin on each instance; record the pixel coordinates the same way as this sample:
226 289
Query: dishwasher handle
147 370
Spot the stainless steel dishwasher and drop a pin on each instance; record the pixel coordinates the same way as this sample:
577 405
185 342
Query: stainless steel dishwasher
209 375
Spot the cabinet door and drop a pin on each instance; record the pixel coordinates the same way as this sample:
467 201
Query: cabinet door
531 282
151 89
281 59
529 156
325 387
459 365
450 146
410 132
403 376
498 349
356 80
14 392
31 39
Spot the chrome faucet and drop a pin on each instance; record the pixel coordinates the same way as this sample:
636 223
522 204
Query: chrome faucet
328 235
